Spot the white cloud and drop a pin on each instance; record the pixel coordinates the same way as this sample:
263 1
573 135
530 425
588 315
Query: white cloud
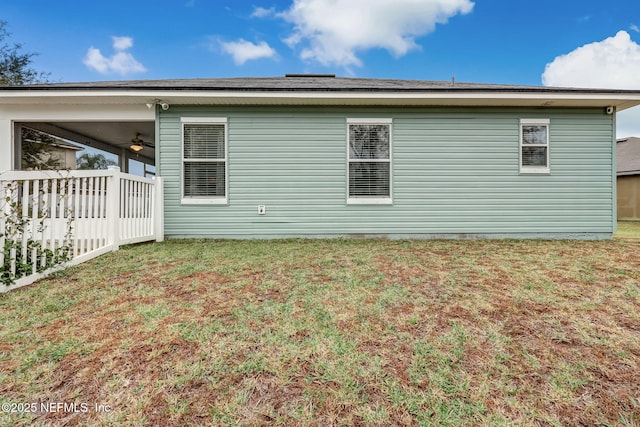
635 28
121 62
261 12
332 32
122 43
613 63
243 51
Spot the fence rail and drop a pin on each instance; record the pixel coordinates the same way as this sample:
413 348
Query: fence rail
52 218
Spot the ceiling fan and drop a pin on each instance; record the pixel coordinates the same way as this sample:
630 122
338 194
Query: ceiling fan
137 144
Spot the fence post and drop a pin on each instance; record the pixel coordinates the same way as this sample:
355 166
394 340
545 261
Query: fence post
158 209
4 212
113 207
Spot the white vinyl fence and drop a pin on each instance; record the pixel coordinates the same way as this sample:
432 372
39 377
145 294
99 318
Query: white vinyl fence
52 219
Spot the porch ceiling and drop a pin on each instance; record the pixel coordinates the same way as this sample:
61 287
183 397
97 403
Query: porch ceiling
113 137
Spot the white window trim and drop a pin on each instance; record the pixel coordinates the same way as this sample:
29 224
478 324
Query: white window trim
534 169
372 200
204 200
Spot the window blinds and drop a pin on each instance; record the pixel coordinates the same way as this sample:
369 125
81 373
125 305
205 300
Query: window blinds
204 160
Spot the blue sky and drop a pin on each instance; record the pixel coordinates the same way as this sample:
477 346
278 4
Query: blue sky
579 43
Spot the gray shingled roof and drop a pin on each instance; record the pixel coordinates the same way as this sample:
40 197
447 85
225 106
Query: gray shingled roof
312 83
628 156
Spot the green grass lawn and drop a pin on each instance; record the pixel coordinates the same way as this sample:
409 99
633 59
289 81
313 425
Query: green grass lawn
331 332
628 230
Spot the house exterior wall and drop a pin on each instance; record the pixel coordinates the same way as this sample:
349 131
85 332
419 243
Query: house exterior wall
629 198
66 157
455 173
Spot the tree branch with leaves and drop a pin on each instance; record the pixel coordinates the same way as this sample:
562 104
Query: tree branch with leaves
15 65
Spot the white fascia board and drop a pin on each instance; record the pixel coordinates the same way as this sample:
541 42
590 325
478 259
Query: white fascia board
437 98
52 111
184 97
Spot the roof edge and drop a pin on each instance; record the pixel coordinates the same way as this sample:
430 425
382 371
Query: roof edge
309 83
318 91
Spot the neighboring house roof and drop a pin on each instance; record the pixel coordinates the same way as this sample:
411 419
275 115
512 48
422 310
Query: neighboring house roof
297 89
628 156
59 143
67 145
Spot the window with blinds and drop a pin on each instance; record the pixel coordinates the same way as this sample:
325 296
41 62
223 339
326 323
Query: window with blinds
204 160
534 145
369 161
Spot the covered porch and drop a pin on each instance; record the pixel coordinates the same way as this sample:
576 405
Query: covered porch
55 217
131 145
123 134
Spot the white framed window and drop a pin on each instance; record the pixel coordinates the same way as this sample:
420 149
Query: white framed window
369 161
534 146
204 160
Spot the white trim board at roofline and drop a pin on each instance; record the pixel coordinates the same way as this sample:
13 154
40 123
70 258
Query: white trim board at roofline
620 101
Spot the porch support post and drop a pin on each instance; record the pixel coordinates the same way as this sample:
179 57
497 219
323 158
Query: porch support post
4 213
158 209
124 160
6 145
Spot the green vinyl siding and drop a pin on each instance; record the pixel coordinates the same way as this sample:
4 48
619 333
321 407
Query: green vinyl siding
454 171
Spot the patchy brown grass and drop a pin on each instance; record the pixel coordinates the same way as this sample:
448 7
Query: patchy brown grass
339 332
